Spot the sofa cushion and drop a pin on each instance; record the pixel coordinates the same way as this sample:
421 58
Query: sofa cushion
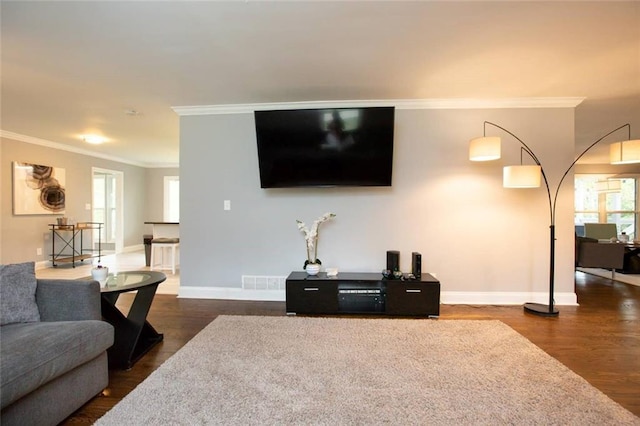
18 293
32 354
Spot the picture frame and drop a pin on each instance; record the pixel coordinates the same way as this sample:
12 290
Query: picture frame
38 189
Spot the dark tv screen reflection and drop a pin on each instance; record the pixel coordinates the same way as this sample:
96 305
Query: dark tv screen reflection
325 147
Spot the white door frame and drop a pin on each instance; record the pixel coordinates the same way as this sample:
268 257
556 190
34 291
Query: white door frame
119 178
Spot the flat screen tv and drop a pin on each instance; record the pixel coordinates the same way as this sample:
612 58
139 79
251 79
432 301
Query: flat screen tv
325 147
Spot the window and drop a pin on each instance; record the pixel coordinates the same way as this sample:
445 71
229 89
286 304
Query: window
606 199
172 199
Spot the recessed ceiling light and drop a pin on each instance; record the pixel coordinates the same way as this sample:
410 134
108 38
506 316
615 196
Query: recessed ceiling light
94 139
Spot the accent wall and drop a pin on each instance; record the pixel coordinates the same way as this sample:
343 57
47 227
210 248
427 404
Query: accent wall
485 243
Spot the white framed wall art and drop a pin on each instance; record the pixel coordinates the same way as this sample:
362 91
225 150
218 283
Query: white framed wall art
38 189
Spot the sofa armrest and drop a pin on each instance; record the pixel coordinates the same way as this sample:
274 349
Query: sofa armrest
68 300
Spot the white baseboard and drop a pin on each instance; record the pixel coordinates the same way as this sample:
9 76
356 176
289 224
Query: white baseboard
230 293
446 297
504 298
130 249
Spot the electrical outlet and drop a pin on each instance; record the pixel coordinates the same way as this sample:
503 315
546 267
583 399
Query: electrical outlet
227 204
39 251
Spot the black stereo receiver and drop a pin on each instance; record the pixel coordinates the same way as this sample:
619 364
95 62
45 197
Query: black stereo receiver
356 300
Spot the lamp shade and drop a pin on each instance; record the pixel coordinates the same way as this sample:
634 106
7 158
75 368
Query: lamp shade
625 152
485 148
521 176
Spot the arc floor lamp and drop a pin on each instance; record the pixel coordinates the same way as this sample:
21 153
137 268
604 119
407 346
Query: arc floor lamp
487 148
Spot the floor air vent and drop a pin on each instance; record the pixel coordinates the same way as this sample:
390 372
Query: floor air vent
263 282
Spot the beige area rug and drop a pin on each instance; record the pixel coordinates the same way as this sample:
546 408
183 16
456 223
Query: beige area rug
243 370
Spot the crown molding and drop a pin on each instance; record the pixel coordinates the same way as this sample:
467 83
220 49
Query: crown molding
62 147
408 104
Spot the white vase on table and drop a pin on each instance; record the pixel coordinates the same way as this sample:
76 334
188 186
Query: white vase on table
312 268
100 274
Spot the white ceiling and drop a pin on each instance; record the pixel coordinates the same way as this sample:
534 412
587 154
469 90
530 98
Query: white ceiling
76 67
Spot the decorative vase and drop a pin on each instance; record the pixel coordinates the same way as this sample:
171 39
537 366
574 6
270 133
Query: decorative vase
100 274
312 268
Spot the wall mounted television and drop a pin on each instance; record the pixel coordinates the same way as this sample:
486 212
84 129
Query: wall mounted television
325 147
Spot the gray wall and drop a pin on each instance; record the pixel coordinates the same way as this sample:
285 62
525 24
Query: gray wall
22 235
154 200
474 234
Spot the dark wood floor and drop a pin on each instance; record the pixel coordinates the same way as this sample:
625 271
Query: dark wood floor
599 340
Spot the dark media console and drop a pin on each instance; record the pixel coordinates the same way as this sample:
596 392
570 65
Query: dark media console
362 293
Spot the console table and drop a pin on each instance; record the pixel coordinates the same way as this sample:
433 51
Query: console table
362 293
69 251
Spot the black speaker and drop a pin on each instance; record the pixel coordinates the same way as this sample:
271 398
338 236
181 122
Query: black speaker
416 265
393 260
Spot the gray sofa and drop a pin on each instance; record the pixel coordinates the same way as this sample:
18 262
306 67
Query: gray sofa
592 254
53 359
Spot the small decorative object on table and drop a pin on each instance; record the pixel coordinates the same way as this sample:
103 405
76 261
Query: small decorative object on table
388 274
63 223
312 264
100 273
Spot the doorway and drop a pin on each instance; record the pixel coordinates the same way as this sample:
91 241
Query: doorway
107 196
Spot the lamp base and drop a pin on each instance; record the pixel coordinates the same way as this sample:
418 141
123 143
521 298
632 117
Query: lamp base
540 309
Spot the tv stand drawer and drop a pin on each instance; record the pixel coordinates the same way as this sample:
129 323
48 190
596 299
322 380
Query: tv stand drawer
311 298
413 298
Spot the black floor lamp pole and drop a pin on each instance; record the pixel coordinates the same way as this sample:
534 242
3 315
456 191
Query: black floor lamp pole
540 308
